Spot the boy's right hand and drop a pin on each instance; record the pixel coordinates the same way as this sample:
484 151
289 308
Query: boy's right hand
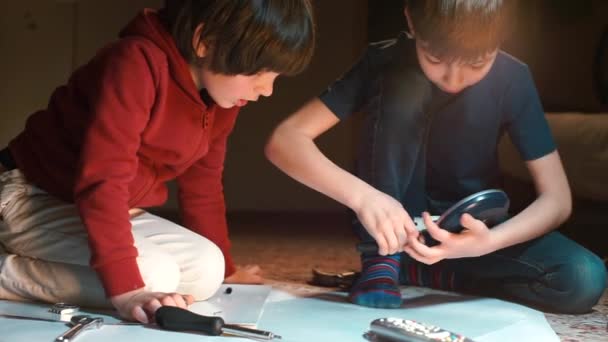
140 305
386 221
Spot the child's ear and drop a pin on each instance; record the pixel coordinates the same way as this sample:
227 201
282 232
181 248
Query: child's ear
197 43
410 26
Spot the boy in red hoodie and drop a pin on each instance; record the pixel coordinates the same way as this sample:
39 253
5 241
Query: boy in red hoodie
157 104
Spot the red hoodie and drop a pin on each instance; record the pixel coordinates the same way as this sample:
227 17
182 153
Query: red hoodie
127 122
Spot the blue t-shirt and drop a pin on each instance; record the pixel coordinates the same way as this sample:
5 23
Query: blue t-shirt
461 155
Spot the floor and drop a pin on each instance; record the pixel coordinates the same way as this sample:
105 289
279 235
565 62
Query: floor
288 247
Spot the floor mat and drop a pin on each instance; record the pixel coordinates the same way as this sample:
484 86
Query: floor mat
312 314
288 248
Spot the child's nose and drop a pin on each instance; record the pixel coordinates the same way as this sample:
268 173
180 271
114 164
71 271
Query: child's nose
265 89
453 79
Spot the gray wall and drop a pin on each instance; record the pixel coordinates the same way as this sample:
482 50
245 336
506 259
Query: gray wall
36 55
42 41
559 40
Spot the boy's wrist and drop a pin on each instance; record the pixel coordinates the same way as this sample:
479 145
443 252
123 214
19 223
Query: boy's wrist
121 299
356 198
495 241
354 202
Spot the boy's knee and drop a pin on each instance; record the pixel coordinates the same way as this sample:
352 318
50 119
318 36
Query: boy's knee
203 275
586 278
160 273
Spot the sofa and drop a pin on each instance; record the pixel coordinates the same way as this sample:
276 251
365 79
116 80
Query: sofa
582 140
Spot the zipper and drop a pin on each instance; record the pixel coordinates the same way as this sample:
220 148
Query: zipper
205 120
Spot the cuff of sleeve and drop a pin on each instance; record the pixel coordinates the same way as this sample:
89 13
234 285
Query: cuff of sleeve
120 277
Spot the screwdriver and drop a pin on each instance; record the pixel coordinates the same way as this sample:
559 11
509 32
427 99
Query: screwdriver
178 319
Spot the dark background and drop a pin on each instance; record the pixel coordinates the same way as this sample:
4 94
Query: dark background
560 40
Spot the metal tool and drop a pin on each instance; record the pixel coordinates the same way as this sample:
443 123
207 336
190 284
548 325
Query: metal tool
59 318
178 319
64 309
59 312
80 324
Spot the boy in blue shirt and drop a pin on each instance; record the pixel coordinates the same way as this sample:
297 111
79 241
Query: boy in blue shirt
437 100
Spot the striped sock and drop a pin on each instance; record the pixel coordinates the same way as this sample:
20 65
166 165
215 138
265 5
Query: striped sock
378 284
417 274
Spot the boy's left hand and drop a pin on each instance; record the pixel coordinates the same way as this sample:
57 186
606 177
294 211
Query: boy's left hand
473 241
249 274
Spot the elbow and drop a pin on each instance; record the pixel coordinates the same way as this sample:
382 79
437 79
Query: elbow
272 148
566 210
565 205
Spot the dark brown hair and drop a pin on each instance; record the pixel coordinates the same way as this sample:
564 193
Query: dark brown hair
461 29
244 36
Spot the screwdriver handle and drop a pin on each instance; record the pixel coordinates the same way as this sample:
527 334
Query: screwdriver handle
178 319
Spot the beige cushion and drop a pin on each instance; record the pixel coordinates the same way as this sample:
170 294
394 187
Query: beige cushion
582 141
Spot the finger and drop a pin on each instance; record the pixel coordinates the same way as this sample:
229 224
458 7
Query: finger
189 299
152 305
436 232
398 235
413 235
150 308
138 314
167 300
382 245
429 260
410 226
179 300
424 250
400 232
411 252
370 225
401 237
389 234
471 223
381 241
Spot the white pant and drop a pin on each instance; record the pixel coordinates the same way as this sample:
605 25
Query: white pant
46 254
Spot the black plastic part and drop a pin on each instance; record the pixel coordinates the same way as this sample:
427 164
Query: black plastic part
178 319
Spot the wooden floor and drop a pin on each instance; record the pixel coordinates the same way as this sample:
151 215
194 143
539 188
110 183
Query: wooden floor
288 246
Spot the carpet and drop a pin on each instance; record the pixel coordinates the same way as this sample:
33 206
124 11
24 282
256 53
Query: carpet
288 247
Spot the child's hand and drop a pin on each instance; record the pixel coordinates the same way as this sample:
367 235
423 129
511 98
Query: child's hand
250 274
473 241
386 221
140 305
